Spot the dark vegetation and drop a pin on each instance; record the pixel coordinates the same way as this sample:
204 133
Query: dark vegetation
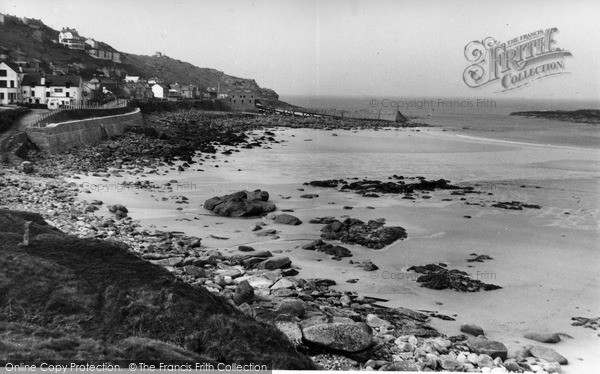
64 298
81 114
9 116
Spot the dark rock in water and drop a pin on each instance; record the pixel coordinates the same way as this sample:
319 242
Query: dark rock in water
488 347
241 204
346 337
438 278
287 219
479 258
472 329
244 293
309 196
354 231
548 354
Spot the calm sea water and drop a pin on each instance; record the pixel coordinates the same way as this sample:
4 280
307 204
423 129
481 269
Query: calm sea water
483 117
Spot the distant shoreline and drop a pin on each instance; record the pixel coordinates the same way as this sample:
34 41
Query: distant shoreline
579 116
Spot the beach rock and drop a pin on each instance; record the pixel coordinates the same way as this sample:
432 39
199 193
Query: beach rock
522 353
244 293
543 337
283 283
245 248
241 204
374 321
292 331
287 219
471 329
551 367
292 307
488 347
194 271
438 278
450 363
347 337
275 263
256 281
548 354
373 234
400 366
513 367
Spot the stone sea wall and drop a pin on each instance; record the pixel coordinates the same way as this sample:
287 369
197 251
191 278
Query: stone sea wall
71 134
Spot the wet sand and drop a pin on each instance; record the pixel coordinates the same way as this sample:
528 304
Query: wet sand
545 260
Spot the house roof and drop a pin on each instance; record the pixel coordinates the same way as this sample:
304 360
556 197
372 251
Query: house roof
52 80
12 66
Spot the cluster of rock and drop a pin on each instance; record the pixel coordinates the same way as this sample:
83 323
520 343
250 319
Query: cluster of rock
590 323
373 234
241 204
514 205
438 277
337 251
370 187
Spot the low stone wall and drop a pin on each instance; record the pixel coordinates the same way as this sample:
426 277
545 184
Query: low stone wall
71 134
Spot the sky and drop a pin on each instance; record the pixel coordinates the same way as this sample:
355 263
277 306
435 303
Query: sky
340 48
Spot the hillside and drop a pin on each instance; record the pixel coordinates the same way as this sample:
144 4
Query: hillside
83 300
34 40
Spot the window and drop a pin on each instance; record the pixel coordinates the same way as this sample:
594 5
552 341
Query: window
242 101
67 94
2 73
3 84
12 84
1 95
58 90
47 94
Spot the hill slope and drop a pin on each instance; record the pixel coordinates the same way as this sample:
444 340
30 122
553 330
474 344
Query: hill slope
63 298
35 40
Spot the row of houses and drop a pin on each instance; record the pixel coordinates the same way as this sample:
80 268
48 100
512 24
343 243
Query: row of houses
71 39
17 86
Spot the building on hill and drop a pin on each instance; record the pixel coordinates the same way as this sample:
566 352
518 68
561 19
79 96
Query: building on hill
9 83
137 90
189 91
241 99
132 78
2 18
65 90
71 39
160 91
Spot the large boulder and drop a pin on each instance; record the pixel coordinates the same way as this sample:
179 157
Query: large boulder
471 329
241 204
287 219
488 347
548 354
340 336
542 337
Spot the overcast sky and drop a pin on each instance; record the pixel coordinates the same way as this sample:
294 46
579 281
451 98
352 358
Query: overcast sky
354 48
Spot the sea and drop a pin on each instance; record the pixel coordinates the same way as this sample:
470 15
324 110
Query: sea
476 116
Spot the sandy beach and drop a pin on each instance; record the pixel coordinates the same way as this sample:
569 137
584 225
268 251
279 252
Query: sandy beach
544 259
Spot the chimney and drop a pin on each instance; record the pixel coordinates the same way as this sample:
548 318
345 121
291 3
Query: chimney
43 81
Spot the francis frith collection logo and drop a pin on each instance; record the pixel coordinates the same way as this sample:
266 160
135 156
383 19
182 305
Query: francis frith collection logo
515 63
